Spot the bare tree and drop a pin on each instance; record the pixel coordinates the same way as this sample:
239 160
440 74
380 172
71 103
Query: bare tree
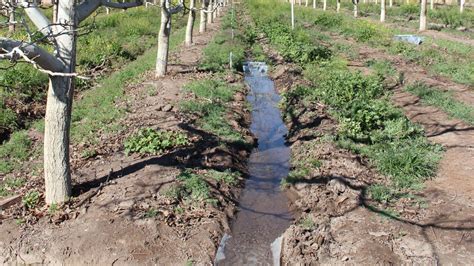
356 11
190 25
60 66
164 36
382 10
423 15
202 21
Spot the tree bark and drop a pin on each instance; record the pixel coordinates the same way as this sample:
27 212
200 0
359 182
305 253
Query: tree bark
325 4
382 10
292 14
163 40
461 6
190 26
314 4
390 3
11 18
338 5
423 15
356 12
58 110
202 21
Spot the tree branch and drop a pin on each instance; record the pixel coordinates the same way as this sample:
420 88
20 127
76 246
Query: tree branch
13 50
37 17
89 6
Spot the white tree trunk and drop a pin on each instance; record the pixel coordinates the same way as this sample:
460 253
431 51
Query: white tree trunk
306 3
292 14
356 12
390 3
382 10
58 110
299 2
210 17
11 18
423 15
325 4
461 6
431 4
214 14
338 5
190 26
163 40
202 21
314 4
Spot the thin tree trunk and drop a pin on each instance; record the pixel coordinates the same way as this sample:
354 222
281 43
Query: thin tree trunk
202 22
314 4
210 17
390 3
58 111
461 6
325 2
299 2
55 11
356 12
423 15
292 14
163 40
11 17
431 4
214 14
190 26
382 10
338 5
306 3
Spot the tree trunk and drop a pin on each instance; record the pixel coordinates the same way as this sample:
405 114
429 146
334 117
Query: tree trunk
58 110
314 4
11 18
338 5
292 14
55 11
431 4
299 2
390 3
423 15
190 26
202 21
356 12
306 3
325 4
210 17
214 13
382 10
163 40
461 6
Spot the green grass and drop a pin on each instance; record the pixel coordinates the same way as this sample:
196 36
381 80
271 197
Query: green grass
211 105
443 100
150 141
14 151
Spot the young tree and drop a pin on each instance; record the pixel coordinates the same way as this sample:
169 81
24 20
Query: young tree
60 66
210 8
423 15
382 10
314 4
338 5
164 36
292 14
202 21
356 11
324 5
190 25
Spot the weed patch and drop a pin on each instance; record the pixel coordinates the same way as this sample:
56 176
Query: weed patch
150 141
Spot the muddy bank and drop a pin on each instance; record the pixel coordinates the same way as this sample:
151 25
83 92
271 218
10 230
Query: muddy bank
121 212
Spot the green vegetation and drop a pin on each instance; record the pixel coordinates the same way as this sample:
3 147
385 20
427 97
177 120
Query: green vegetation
307 223
16 150
443 100
31 199
210 105
150 141
369 124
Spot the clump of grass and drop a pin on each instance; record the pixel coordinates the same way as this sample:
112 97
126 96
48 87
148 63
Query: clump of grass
443 100
31 199
211 105
151 141
307 223
227 176
13 151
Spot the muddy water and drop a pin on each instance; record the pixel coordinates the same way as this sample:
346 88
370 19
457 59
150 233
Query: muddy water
263 209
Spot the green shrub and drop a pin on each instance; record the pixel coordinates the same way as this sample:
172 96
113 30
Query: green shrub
150 141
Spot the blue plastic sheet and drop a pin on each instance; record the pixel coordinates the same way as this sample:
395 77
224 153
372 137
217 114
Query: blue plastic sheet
414 39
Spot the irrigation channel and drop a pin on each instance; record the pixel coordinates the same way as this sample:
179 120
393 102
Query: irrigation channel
263 213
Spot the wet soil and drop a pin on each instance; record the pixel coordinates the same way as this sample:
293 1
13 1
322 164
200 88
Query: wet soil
338 223
119 214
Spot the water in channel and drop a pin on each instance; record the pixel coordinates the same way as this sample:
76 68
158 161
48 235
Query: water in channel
263 208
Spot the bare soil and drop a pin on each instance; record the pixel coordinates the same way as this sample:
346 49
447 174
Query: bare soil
109 219
434 226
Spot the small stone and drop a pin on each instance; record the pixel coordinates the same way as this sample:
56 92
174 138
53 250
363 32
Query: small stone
167 108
